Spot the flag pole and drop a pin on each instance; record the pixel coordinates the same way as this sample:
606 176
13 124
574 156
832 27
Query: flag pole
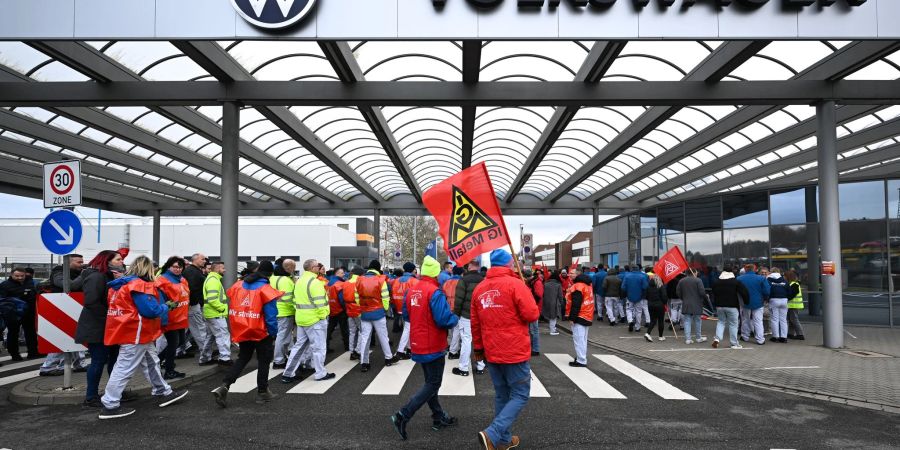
487 176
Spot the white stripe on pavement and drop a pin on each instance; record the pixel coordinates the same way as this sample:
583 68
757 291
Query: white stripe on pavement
247 383
537 388
723 348
391 379
338 366
19 377
21 364
456 385
5 358
587 381
655 384
765 368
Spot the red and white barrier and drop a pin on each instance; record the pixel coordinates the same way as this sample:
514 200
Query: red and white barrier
57 318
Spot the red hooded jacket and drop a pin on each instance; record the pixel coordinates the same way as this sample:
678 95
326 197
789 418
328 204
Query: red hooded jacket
502 308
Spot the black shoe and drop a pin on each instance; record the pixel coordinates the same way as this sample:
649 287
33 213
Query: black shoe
279 366
173 374
354 356
264 397
79 369
576 364
612 323
329 376
782 340
535 353
92 403
445 421
773 339
390 362
18 357
172 398
221 395
289 380
128 396
400 422
32 356
630 327
52 373
207 363
225 362
115 413
452 355
402 355
801 337
623 320
184 356
462 373
364 367
479 371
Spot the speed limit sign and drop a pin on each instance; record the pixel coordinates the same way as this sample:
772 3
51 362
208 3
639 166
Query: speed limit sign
62 184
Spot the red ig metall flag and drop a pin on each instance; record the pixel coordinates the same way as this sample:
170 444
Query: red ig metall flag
670 264
468 215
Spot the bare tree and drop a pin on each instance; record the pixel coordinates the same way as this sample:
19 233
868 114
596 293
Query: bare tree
398 233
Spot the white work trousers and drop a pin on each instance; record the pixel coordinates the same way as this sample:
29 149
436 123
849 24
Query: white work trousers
131 358
284 338
57 361
354 325
380 328
779 323
217 335
580 338
197 327
675 305
635 311
404 338
614 309
752 318
312 337
465 341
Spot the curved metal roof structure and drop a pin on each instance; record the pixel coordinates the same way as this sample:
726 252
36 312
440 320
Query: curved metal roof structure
335 127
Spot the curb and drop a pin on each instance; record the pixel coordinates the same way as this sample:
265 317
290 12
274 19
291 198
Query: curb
20 395
843 400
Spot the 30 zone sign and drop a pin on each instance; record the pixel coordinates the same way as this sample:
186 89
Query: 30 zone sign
62 184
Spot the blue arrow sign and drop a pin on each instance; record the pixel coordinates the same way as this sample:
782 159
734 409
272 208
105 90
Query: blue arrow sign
61 232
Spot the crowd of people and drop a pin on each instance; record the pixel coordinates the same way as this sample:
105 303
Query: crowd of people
147 316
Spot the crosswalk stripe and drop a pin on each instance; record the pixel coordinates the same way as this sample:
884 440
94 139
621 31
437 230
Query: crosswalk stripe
5 358
247 383
587 381
338 366
651 382
21 364
18 377
391 379
537 388
456 385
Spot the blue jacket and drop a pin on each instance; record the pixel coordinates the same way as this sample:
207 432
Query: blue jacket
778 286
270 310
758 288
147 305
443 318
597 281
443 276
634 284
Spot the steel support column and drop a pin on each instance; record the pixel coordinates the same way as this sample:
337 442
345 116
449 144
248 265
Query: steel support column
830 225
377 241
157 227
230 169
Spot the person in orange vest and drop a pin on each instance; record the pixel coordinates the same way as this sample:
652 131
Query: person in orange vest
449 288
173 287
373 298
337 315
353 311
133 323
580 311
399 287
253 317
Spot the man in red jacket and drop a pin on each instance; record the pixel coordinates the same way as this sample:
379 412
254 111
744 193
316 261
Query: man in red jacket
502 308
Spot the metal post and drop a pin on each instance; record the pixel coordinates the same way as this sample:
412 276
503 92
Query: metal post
377 242
157 226
230 169
415 258
830 228
67 287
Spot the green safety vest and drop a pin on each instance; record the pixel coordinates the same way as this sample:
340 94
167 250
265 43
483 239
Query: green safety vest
310 300
216 304
286 302
796 302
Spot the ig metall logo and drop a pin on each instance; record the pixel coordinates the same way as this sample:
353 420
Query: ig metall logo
273 14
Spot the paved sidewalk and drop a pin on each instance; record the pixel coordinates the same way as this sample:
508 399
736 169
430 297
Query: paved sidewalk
800 367
48 390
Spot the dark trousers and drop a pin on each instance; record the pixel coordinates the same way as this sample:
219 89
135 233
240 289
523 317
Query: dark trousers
12 322
334 322
101 355
657 319
265 352
29 326
174 339
428 393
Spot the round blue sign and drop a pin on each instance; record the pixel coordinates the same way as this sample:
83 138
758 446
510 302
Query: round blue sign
61 232
273 14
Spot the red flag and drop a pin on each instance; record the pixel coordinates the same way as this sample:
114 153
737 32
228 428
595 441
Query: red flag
467 213
670 264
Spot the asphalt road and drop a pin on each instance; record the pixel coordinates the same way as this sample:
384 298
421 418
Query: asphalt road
725 415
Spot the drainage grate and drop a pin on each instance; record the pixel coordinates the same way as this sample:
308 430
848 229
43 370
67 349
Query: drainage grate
865 354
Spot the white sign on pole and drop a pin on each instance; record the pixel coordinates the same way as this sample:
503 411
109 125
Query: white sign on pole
62 184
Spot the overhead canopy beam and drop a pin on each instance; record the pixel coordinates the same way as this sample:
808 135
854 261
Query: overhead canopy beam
221 65
713 69
341 58
846 60
471 67
423 93
598 61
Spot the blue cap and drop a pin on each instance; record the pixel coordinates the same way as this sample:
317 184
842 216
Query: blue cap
500 258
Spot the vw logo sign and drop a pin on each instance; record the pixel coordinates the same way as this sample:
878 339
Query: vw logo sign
273 14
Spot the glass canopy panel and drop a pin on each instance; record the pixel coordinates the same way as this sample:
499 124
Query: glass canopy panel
281 60
409 61
887 68
21 57
503 139
155 60
431 141
782 60
531 60
657 60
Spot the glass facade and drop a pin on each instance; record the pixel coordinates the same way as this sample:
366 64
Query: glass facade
779 228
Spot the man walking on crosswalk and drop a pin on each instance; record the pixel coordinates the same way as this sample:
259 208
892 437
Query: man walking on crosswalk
502 308
426 310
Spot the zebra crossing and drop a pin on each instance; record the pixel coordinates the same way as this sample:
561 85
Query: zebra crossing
390 381
11 373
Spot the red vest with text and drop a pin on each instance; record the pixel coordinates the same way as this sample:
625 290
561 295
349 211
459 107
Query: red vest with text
587 301
425 337
398 290
124 325
333 302
245 311
178 293
350 299
450 290
369 290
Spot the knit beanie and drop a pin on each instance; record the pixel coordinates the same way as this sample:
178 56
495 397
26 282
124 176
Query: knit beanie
430 267
409 267
375 265
500 258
